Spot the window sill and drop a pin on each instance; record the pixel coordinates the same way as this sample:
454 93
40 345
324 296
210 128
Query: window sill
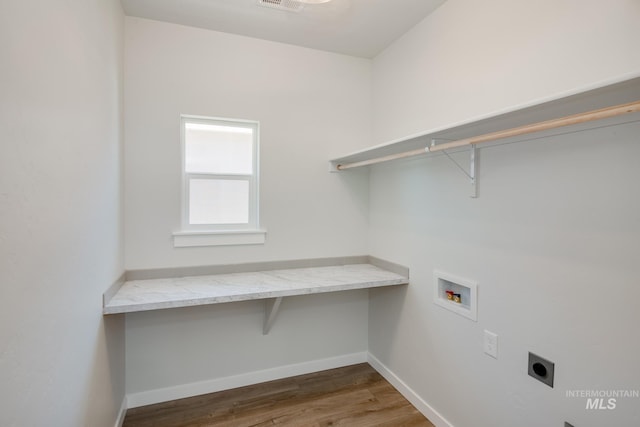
187 239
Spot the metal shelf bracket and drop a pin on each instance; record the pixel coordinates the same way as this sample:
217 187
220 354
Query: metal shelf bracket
271 307
473 167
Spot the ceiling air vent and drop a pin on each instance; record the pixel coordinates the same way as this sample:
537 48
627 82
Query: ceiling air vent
288 5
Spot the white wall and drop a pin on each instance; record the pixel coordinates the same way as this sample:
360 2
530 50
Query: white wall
311 105
203 349
552 238
61 246
471 58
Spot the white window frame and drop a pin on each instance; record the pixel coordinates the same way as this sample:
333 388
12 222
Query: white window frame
220 234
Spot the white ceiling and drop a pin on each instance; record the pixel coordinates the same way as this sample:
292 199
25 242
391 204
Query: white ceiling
353 27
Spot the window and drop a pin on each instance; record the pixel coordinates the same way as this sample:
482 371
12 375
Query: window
220 174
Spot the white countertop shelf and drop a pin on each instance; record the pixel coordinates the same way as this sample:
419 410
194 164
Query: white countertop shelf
271 286
154 294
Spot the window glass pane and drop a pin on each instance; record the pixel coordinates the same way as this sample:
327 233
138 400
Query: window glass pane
218 201
218 149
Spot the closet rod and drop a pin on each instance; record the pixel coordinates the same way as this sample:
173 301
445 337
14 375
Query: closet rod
589 116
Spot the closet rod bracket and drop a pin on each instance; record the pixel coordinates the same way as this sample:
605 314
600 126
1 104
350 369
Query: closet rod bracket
473 165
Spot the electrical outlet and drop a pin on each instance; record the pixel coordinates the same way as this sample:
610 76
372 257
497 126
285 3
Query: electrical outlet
541 369
491 344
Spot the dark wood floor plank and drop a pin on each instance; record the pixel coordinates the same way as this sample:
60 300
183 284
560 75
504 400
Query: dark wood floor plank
326 408
354 396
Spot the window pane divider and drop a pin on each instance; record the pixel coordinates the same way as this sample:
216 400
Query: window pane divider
216 176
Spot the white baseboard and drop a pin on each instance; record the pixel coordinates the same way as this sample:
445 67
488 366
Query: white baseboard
122 413
422 406
151 397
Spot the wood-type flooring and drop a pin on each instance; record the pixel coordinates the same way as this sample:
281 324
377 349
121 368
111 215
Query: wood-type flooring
354 396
